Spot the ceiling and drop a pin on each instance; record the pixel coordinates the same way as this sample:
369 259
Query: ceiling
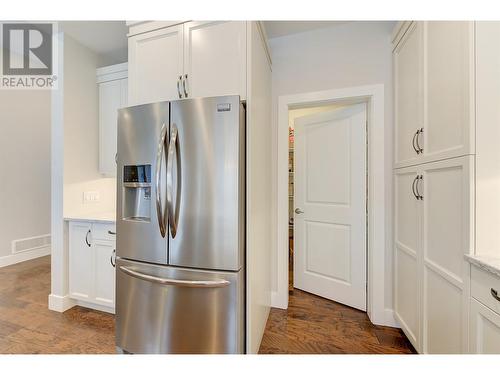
276 29
109 38
106 38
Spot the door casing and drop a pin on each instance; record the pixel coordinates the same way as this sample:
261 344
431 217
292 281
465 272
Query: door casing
379 207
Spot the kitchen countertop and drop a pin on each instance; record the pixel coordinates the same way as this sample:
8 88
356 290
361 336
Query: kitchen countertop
485 262
101 217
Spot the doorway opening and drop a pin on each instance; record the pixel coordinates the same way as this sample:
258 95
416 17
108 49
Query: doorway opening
378 209
327 172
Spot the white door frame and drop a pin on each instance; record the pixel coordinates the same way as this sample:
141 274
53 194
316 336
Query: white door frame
377 237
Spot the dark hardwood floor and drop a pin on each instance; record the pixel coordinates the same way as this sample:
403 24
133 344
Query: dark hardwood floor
311 324
314 325
27 326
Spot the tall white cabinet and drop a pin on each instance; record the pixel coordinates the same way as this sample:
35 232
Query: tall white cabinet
434 182
183 60
113 94
434 92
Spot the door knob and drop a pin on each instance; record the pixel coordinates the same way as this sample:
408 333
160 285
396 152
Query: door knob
298 211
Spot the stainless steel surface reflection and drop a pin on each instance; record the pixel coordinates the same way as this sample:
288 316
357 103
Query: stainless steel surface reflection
210 222
157 318
181 227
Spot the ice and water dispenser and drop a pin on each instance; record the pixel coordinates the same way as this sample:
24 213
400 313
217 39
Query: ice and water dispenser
137 192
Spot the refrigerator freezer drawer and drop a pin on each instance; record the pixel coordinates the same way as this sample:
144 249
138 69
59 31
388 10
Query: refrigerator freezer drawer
162 309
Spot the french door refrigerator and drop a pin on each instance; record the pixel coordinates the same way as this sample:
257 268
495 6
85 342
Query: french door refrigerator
181 227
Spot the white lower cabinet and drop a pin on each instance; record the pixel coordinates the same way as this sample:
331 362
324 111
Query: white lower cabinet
484 329
407 223
80 260
104 288
433 226
91 264
484 321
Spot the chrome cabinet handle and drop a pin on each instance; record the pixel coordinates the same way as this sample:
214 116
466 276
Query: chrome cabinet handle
87 238
173 208
179 87
110 232
413 141
111 259
159 158
413 186
298 211
420 149
176 282
184 85
419 196
494 293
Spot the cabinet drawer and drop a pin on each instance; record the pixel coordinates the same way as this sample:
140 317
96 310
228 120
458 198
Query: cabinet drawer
482 283
102 232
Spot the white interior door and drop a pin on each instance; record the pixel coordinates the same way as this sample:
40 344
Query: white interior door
330 205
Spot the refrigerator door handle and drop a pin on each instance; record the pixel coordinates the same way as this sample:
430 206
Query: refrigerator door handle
173 208
176 282
159 158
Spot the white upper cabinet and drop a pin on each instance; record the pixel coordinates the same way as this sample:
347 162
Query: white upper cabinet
449 89
112 87
155 65
215 58
434 92
408 73
194 59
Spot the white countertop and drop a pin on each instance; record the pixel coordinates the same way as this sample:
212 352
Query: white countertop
102 217
487 263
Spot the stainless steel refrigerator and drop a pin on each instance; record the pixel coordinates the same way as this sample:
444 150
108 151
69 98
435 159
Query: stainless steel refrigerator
180 277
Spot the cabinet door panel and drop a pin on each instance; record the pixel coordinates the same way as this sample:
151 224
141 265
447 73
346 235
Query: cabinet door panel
81 268
215 58
109 102
484 329
407 253
447 226
155 64
448 89
408 73
104 273
124 92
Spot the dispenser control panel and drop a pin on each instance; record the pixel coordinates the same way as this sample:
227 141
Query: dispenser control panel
137 173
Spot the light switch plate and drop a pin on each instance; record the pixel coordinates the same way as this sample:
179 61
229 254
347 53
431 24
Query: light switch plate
91 197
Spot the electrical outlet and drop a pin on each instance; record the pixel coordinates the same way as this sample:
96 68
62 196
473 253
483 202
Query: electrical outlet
91 197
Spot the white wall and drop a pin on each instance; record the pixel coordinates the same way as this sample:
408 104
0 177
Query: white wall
81 134
24 165
351 54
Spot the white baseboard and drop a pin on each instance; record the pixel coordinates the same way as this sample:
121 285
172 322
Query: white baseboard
24 256
95 306
60 303
384 317
390 319
278 302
